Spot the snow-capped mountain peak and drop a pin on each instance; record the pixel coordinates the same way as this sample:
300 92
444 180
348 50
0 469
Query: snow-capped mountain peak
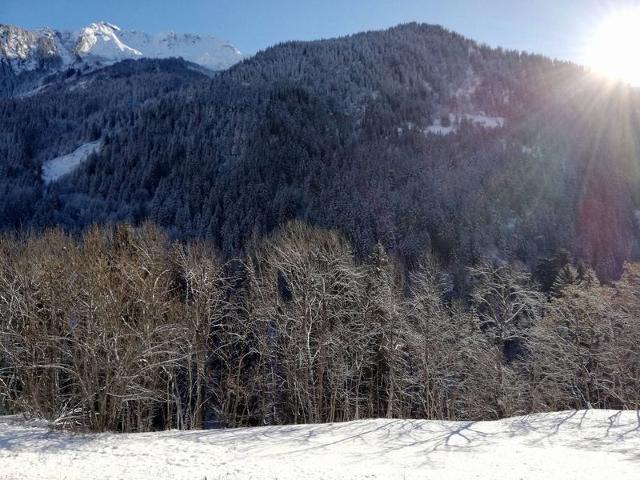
101 40
106 43
204 50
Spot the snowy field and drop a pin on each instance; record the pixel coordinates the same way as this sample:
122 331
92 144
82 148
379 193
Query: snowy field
568 445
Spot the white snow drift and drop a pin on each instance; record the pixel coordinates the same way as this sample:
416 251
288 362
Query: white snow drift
568 445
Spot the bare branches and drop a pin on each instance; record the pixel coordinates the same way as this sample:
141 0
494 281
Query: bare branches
93 332
126 331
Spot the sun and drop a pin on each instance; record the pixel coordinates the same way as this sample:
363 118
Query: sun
614 47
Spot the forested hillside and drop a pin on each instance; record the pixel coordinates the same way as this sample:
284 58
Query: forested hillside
66 110
415 137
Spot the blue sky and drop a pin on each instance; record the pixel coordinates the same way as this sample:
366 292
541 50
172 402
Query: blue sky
557 28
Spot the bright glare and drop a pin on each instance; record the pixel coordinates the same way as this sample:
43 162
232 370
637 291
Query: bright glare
614 49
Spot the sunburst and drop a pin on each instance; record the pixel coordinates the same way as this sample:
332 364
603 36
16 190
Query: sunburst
614 47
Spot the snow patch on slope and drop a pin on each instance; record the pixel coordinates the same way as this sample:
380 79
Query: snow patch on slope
588 445
438 129
56 168
485 121
479 119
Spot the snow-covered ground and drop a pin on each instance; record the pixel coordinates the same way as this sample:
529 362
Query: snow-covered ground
482 120
568 445
477 119
55 168
438 129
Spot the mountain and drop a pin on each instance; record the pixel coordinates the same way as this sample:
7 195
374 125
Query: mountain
414 137
100 40
103 42
207 51
25 50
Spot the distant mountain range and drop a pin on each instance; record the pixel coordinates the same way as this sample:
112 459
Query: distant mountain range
105 43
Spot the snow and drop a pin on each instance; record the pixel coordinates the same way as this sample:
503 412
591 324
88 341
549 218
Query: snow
207 51
438 129
479 119
101 40
583 445
16 43
485 121
106 43
53 169
20 47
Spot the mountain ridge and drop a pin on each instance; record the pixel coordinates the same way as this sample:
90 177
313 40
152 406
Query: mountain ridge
103 42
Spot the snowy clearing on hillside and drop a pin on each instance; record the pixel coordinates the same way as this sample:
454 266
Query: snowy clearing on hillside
482 120
438 129
477 119
53 169
582 445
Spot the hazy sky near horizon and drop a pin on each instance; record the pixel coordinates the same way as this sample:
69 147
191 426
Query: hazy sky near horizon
558 28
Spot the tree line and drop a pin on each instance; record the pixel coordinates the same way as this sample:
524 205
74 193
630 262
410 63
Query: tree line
125 330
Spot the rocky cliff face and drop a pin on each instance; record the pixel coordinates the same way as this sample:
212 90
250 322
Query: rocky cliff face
29 50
